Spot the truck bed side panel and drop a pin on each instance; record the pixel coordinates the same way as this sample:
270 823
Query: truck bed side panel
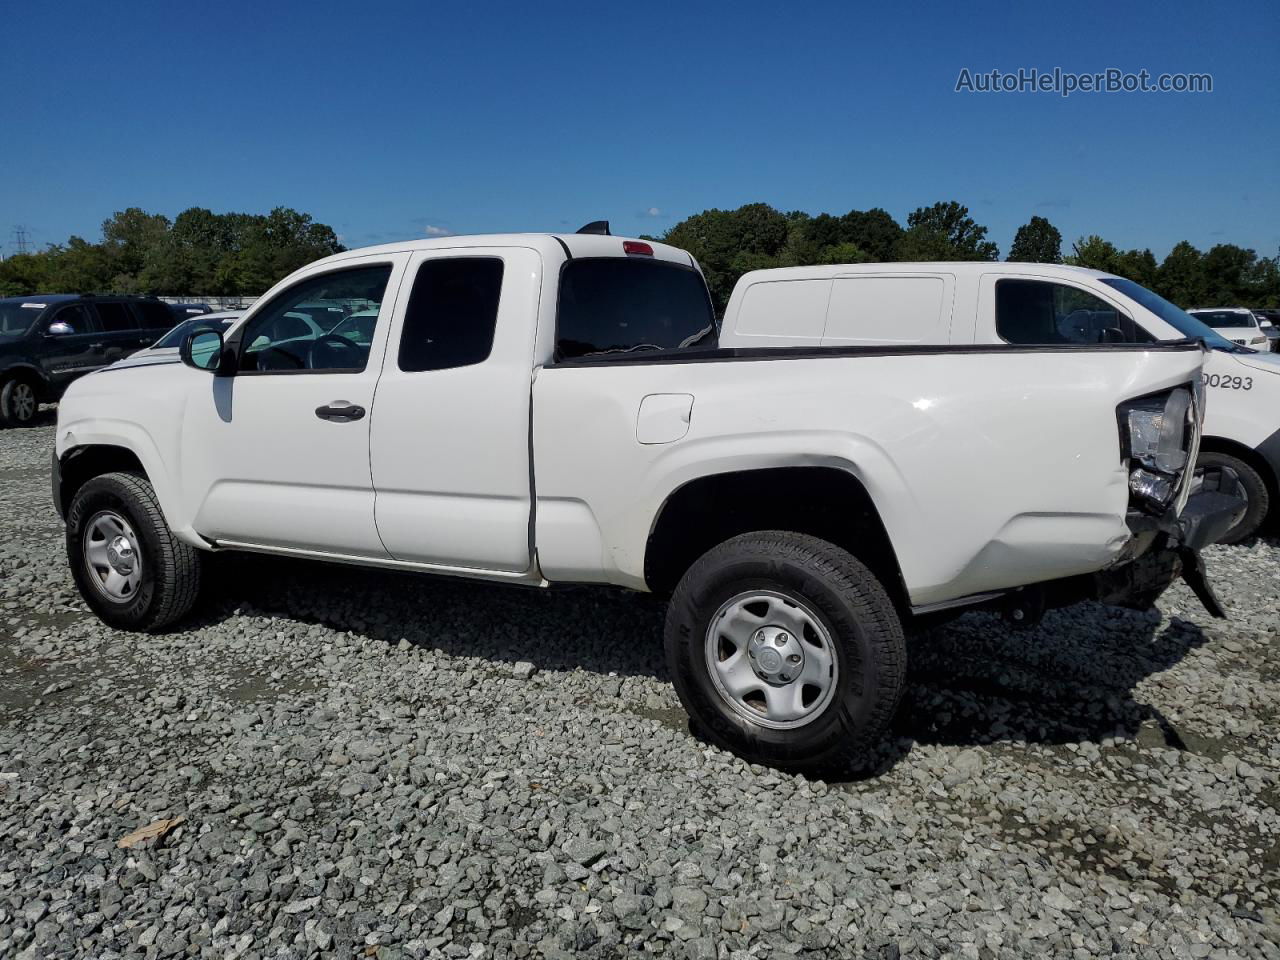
990 470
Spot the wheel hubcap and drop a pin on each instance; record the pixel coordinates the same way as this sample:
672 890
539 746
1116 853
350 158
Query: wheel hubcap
111 556
24 401
771 659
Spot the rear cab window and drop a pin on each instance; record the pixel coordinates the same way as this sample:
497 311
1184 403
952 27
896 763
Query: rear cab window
613 306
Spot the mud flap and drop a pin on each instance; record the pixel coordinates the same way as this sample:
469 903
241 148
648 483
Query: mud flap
1193 575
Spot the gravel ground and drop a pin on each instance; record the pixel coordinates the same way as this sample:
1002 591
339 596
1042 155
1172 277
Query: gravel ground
371 765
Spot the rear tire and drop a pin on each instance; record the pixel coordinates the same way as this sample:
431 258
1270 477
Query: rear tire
129 567
1209 467
19 402
776 597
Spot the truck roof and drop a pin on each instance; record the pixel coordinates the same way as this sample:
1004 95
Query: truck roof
553 244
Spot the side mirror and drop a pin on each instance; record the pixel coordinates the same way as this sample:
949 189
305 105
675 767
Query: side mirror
59 329
202 350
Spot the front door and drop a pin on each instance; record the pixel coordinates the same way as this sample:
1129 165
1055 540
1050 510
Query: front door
81 348
277 455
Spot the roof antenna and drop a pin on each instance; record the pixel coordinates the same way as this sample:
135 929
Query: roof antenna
600 227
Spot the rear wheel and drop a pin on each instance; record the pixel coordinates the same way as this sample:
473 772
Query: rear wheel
787 651
18 402
130 568
1213 472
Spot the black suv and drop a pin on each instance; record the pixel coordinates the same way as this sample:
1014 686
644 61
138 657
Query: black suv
48 341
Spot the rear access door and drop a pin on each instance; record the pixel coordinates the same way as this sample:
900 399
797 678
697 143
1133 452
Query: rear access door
449 442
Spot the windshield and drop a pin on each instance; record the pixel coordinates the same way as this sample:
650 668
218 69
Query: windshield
1176 317
625 305
1222 319
16 316
179 333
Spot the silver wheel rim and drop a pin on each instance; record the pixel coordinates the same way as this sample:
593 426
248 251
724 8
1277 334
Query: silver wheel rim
111 556
24 401
771 659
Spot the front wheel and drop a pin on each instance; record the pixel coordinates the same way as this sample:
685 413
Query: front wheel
787 651
129 567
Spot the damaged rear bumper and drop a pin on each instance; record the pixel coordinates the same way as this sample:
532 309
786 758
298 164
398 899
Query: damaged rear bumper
1163 548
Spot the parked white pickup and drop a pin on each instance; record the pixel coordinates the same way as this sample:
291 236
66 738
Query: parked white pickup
540 408
1027 304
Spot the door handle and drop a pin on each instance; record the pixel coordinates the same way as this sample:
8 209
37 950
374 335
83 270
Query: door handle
340 411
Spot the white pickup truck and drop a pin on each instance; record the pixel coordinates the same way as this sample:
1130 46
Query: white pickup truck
1030 304
545 409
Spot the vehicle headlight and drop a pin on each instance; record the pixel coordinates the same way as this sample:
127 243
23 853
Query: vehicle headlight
1155 440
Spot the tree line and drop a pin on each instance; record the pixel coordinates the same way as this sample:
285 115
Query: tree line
728 243
240 254
198 252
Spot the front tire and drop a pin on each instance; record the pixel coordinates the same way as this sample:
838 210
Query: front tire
19 402
787 651
129 567
1210 469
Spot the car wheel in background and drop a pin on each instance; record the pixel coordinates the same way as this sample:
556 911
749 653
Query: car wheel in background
19 402
1212 469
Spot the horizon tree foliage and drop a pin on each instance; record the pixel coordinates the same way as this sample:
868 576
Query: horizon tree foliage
1037 241
945 231
199 253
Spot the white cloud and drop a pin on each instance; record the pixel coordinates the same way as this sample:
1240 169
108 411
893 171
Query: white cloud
431 230
653 212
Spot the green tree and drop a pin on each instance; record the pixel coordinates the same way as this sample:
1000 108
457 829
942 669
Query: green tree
727 243
873 231
945 231
1037 241
1095 253
1180 279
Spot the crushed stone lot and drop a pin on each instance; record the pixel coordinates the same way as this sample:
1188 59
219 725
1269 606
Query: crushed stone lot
374 765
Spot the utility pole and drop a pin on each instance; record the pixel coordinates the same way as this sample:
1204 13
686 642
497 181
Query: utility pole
20 239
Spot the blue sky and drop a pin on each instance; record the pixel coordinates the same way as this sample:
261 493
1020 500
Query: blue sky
389 120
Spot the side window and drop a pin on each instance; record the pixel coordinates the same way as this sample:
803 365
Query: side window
286 336
1037 312
77 317
452 313
154 315
116 317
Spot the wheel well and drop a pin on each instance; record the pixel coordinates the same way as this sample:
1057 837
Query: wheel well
79 465
31 376
1248 455
825 502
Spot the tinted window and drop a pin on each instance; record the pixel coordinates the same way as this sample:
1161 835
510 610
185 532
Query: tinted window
620 305
283 335
116 317
155 315
1035 312
1224 319
452 313
16 317
1176 317
78 317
